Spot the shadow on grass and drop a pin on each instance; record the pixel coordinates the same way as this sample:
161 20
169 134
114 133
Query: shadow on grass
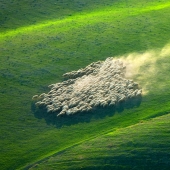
96 113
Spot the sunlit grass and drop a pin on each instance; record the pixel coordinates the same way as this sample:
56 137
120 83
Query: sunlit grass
92 18
125 148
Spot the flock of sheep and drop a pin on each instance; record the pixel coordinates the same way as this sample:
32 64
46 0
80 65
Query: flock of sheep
100 84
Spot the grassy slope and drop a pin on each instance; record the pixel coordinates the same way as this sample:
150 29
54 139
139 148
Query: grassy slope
35 56
141 146
15 13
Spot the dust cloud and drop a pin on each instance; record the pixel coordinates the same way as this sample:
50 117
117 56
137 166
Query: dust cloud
142 67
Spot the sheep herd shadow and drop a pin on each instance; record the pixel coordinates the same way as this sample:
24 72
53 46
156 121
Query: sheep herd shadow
96 113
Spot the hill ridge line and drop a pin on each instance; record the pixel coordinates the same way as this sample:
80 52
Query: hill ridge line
91 138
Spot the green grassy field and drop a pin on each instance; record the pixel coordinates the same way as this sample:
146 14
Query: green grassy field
140 146
40 40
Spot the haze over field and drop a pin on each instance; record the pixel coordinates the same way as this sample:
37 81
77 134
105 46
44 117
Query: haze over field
136 61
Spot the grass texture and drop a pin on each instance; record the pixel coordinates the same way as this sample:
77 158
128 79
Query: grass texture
140 146
40 40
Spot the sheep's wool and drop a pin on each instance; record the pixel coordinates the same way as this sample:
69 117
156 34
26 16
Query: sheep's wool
100 84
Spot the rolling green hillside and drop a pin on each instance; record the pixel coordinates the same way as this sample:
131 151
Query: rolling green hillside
141 146
40 40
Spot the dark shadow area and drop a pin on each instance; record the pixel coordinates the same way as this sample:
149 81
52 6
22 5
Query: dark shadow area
96 113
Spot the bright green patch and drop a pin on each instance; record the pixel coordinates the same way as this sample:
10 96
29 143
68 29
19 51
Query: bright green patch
143 145
92 17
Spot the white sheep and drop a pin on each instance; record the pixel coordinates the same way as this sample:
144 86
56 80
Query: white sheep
99 84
